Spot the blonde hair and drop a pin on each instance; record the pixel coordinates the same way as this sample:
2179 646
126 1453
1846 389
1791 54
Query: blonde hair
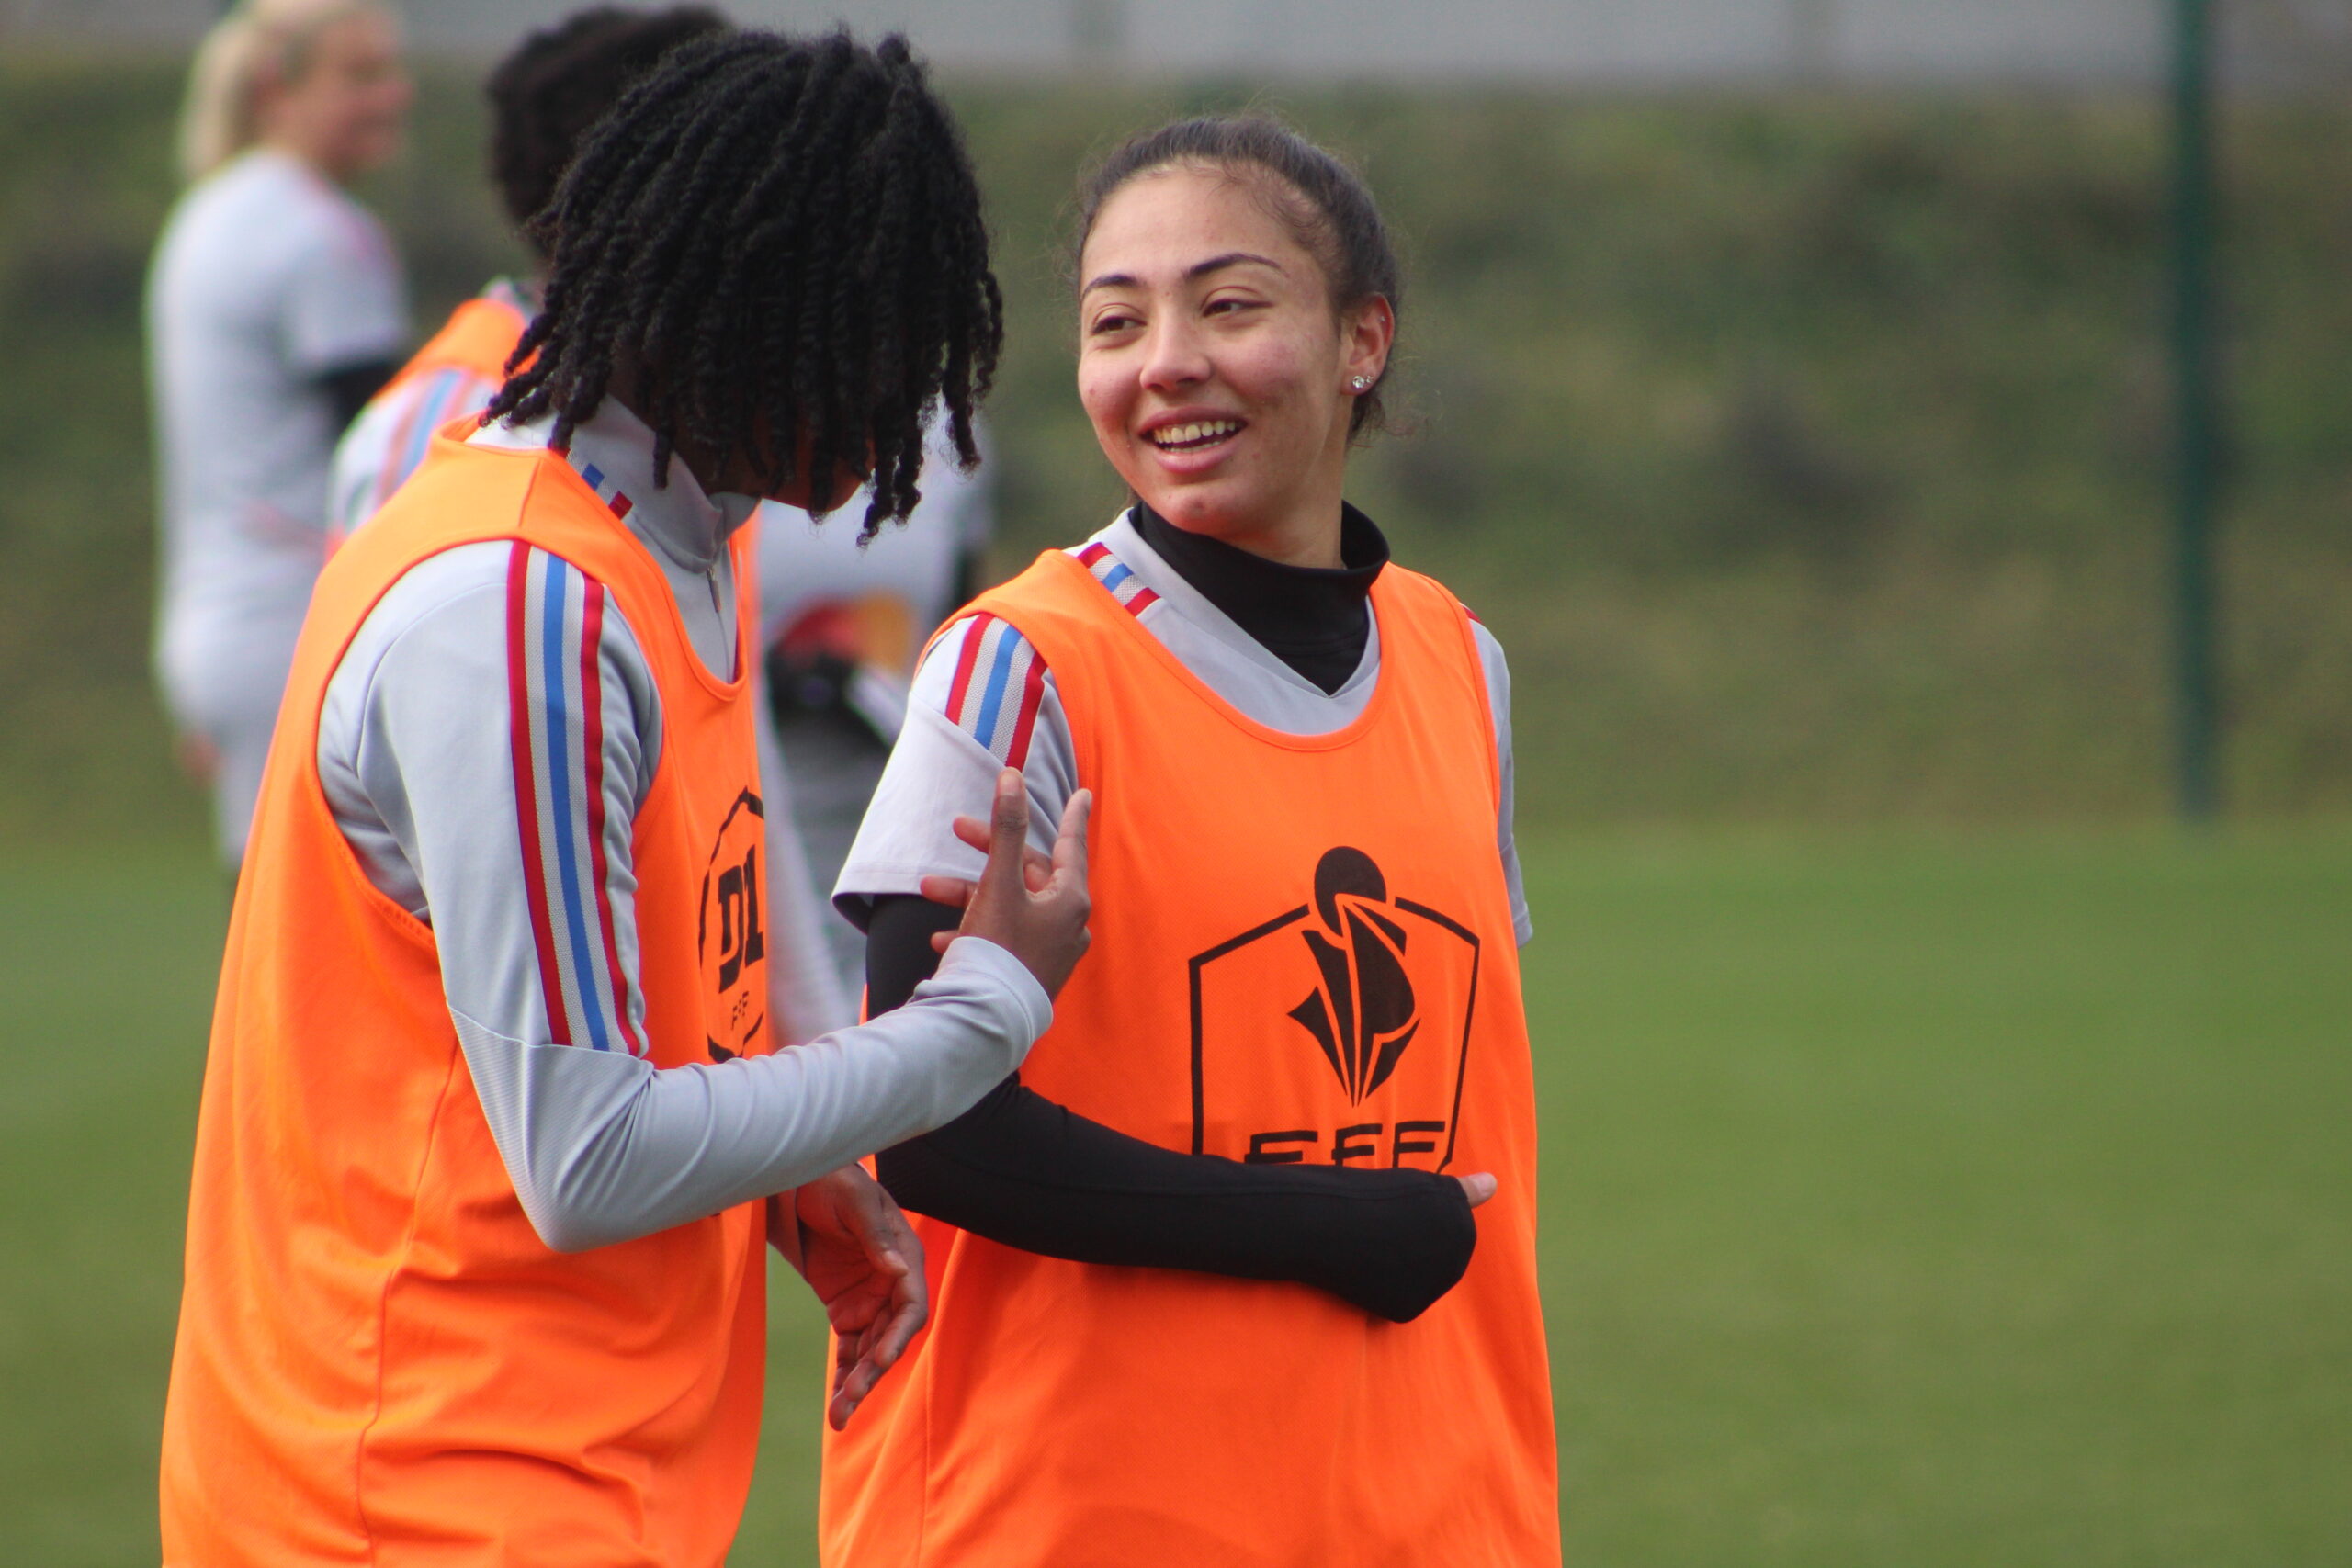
257 39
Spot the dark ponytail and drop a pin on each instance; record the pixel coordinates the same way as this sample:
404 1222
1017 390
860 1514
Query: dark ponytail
1325 204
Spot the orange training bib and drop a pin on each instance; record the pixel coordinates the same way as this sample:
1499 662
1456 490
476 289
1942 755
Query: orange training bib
1303 952
379 1360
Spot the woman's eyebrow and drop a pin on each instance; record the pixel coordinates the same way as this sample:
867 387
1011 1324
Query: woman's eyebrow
1230 258
1197 270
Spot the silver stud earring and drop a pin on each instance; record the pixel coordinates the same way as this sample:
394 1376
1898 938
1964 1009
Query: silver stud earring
1361 382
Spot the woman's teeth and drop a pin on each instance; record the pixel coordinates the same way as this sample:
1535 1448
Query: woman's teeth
1200 432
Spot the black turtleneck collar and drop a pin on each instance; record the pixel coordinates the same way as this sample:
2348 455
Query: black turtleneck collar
1315 619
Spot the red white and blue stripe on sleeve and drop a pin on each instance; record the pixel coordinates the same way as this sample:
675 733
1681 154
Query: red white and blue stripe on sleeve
557 619
1113 575
999 683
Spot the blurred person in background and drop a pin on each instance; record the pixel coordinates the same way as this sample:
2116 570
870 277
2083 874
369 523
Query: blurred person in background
544 98
842 618
1210 1286
275 309
494 1135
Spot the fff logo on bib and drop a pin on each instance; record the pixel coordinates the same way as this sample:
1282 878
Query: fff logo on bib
1335 1033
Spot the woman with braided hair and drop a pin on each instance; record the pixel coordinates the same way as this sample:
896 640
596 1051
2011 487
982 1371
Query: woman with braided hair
493 1138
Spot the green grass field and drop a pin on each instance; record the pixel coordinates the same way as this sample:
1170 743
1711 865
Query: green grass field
1909 1201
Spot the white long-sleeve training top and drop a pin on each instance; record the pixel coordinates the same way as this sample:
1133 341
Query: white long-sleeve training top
415 759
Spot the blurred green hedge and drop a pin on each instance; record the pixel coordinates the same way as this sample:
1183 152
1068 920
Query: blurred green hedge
1806 453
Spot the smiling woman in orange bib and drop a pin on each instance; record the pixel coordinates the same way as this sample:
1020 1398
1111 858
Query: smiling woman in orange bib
1208 1281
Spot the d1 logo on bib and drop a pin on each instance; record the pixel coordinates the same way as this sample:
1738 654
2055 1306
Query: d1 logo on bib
1336 1033
731 935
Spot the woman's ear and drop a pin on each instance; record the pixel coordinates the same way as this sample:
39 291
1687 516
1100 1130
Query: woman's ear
1367 331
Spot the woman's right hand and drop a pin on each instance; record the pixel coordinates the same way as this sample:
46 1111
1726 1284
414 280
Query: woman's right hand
1032 906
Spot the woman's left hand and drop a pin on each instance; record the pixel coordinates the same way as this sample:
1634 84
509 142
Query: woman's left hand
865 1262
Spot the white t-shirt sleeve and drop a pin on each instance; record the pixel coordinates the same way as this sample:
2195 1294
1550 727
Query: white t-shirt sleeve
982 701
343 304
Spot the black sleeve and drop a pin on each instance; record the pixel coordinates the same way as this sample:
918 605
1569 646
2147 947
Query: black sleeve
1020 1169
348 387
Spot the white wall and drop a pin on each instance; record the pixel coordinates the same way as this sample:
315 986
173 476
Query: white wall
2061 42
1629 41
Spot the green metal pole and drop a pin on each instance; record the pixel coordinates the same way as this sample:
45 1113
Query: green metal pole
2196 407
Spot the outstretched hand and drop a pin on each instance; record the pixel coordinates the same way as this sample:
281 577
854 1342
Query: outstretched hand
1032 905
865 1262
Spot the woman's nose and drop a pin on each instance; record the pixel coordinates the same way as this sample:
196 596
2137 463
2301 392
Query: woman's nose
1174 357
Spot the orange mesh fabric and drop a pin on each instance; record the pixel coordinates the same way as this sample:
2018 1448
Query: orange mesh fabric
379 1360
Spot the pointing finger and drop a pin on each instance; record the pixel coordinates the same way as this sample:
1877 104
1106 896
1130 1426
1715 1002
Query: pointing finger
1036 865
1069 844
1009 831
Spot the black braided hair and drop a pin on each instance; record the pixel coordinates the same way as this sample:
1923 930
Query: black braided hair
560 80
1325 204
776 244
